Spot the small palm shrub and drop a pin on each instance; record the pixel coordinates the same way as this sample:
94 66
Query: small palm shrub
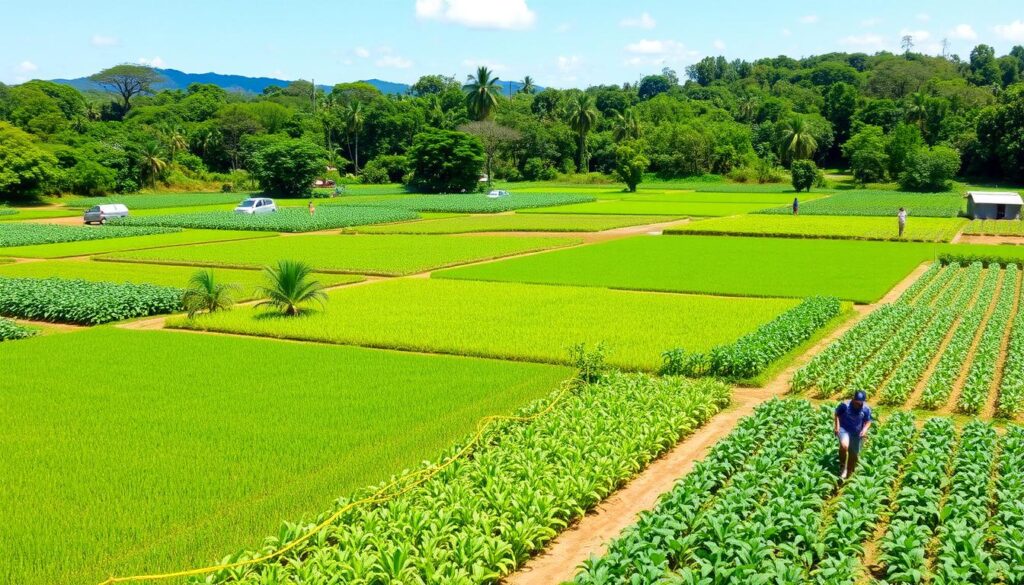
290 286
205 293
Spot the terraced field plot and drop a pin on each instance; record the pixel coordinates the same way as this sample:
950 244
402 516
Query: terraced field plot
189 447
103 246
922 229
513 321
362 254
176 276
857 271
1003 227
285 219
954 340
881 203
26 214
653 207
765 504
32 234
517 222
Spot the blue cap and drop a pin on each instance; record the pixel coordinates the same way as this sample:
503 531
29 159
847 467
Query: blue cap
860 396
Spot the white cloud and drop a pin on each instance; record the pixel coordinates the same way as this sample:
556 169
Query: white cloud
361 52
642 21
103 41
963 31
395 61
719 44
568 64
492 65
1011 32
494 14
923 16
919 36
27 67
870 22
809 19
154 62
658 52
864 41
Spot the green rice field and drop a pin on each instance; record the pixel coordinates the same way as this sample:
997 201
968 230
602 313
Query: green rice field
673 208
511 321
180 238
370 254
851 270
920 229
186 446
516 222
992 227
882 203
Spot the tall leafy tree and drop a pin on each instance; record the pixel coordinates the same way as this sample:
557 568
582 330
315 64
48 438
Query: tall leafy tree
128 81
581 115
626 125
482 93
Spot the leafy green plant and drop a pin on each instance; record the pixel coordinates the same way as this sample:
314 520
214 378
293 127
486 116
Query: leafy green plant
83 302
591 364
30 234
286 219
290 286
477 202
9 330
206 293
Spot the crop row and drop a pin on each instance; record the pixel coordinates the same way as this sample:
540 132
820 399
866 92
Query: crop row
9 330
903 547
880 204
915 289
874 372
754 352
286 219
481 517
940 384
1011 389
1009 497
83 302
986 356
478 202
981 227
30 234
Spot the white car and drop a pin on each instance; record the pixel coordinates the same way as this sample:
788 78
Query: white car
497 193
101 213
254 205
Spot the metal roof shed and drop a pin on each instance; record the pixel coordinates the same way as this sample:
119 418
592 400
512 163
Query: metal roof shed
991 205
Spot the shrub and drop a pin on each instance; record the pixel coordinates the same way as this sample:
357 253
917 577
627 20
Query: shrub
630 166
9 330
445 161
930 170
537 169
804 173
590 364
374 174
394 165
83 302
288 167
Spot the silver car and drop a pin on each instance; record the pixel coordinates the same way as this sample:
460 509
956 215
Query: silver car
254 205
101 213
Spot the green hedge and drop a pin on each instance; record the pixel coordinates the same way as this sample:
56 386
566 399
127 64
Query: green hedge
10 330
83 302
286 219
986 258
31 234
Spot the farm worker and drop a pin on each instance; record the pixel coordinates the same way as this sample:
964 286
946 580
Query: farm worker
901 217
852 420
796 206
312 210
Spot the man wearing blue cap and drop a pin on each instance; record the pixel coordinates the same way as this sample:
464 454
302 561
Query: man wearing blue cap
853 419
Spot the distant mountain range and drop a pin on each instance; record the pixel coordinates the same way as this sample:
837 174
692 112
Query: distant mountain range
174 79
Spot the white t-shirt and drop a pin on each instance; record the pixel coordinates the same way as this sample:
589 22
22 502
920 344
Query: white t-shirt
902 216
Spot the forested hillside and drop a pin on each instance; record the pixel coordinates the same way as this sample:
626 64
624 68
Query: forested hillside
909 118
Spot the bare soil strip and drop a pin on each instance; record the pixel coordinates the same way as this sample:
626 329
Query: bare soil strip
989 410
958 385
992 240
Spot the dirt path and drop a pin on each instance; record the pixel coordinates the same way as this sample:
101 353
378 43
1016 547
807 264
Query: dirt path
991 240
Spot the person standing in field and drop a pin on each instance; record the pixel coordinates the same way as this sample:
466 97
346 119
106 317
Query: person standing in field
312 209
901 217
796 205
852 421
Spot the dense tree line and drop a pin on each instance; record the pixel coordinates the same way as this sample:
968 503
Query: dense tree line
910 118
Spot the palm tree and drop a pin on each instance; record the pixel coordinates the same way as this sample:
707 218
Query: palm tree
527 86
153 163
290 286
206 294
797 140
482 93
917 109
581 115
626 126
176 142
354 120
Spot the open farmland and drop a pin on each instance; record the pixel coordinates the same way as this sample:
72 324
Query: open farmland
471 202
369 254
158 200
15 214
285 219
856 271
921 229
880 203
981 227
517 222
165 238
31 234
653 207
511 321
140 475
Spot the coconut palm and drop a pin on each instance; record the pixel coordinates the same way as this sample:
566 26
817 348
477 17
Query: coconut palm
205 293
581 115
153 163
917 109
626 126
527 86
176 142
482 93
797 140
289 286
354 119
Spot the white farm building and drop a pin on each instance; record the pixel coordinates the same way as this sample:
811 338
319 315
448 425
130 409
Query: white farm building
990 205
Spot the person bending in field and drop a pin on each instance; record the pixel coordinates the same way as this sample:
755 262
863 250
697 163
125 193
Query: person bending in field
901 217
852 421
796 206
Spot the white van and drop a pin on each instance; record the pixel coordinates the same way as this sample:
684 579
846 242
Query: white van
101 213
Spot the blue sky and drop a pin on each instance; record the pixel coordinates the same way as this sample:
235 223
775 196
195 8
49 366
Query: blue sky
561 43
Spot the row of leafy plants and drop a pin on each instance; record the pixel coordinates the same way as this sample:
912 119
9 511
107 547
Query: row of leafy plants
754 352
478 202
83 302
31 234
9 330
1011 387
285 219
979 382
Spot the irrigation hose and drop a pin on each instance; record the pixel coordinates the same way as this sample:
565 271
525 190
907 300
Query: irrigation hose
379 497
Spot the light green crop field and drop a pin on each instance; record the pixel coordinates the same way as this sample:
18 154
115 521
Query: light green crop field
390 255
921 229
880 203
176 276
674 208
517 222
851 270
512 321
112 471
130 243
995 227
25 214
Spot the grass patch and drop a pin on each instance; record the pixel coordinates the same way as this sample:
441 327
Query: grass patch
920 229
518 222
476 202
32 234
881 203
285 219
26 214
674 208
158 201
511 321
176 276
995 227
850 270
176 238
186 446
388 255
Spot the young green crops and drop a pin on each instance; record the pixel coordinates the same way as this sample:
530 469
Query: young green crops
919 229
